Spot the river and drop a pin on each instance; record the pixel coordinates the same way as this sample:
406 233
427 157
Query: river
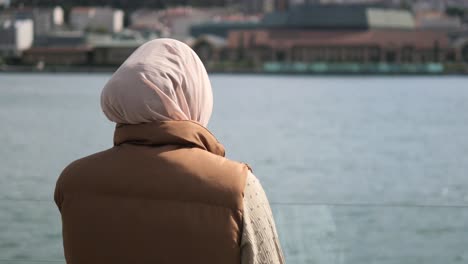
358 169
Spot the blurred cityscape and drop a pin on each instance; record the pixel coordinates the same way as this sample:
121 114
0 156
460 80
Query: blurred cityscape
295 36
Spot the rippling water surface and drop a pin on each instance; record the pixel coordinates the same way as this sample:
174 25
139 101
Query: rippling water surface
350 164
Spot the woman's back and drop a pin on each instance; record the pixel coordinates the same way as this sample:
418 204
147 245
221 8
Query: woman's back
183 199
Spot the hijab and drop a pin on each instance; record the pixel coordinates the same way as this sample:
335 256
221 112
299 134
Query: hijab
162 80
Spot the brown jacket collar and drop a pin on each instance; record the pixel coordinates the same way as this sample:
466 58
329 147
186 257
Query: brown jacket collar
183 133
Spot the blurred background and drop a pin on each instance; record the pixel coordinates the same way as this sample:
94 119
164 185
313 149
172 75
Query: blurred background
353 115
298 36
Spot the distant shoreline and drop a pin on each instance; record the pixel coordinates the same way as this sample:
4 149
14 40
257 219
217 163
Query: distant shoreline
111 69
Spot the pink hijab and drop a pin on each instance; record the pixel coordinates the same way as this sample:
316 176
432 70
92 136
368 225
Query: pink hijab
162 80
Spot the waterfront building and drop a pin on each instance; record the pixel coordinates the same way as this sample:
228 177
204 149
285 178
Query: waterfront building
110 54
428 5
460 42
4 3
103 19
48 19
362 34
258 6
88 49
346 50
111 50
436 5
179 20
380 18
358 17
317 17
113 54
60 38
437 20
221 29
64 56
147 21
371 46
175 22
281 5
210 48
295 2
16 35
45 19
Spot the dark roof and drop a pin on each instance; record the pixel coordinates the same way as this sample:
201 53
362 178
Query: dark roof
275 19
220 29
306 16
320 17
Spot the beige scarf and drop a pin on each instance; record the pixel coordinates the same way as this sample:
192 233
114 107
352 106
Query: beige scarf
162 80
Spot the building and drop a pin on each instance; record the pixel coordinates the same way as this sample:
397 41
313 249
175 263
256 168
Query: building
209 48
60 38
258 6
281 5
378 18
428 5
345 51
460 42
113 50
370 46
102 19
266 6
4 3
220 29
437 20
175 22
64 56
147 21
317 17
305 33
76 48
15 37
45 20
341 1
179 20
113 54
311 16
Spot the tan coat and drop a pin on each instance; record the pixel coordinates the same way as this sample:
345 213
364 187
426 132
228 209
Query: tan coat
163 194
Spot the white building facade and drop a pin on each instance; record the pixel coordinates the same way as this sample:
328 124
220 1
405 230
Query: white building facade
16 36
5 3
97 18
45 20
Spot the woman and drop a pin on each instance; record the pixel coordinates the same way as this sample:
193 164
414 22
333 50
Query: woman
164 193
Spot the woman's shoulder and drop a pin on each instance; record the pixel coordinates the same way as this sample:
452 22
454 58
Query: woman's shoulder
226 163
78 165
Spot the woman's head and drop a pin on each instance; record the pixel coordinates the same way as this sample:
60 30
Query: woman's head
162 80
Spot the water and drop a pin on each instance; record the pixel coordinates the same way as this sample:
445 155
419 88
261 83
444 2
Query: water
331 152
